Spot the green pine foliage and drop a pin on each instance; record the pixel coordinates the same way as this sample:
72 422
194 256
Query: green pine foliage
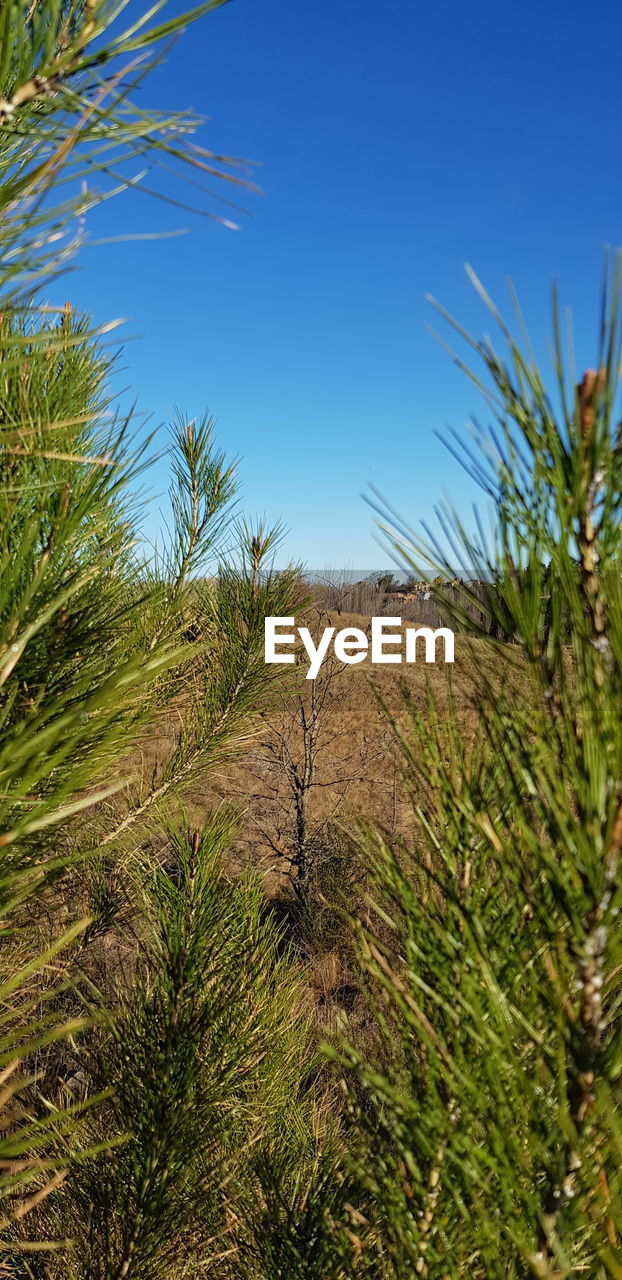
204 1056
69 126
72 659
164 1109
94 644
493 1136
95 658
71 679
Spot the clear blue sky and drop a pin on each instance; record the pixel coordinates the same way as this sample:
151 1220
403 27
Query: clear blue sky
397 140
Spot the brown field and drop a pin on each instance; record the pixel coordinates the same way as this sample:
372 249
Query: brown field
357 773
356 776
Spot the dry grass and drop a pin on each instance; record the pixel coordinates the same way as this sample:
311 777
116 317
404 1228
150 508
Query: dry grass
357 776
356 743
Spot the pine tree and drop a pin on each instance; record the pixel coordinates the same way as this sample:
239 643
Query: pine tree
92 651
492 1119
204 1057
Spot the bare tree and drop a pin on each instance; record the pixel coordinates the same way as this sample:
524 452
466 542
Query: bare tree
301 753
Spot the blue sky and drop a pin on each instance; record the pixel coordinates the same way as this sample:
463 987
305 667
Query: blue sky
396 142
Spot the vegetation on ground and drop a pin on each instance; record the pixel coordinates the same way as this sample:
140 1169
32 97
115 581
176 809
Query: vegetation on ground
400 1056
